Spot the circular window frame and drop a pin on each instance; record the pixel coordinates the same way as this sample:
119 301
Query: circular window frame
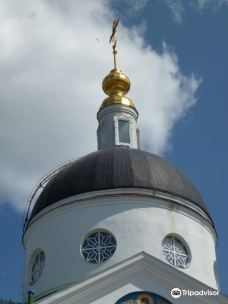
180 239
98 230
35 253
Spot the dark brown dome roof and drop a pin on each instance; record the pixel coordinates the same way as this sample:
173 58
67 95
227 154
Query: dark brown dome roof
117 168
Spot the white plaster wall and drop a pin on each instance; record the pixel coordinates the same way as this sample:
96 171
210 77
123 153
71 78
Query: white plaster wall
139 224
107 133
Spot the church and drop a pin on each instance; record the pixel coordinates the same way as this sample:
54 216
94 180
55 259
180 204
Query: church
120 225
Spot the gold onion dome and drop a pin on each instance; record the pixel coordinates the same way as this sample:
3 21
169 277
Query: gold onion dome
116 84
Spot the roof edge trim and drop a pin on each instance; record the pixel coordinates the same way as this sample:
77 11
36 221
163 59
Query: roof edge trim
117 192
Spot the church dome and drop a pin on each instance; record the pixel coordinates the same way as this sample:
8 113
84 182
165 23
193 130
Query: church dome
117 168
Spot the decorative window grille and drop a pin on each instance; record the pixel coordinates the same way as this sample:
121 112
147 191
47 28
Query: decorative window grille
175 252
37 267
98 247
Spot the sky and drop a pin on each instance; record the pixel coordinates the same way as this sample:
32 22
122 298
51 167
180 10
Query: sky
53 57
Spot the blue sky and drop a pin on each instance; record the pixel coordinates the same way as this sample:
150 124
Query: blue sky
195 140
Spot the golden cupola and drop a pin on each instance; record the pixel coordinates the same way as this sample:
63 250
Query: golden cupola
116 85
117 116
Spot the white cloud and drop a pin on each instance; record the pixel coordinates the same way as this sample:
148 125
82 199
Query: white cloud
215 4
137 5
177 10
51 69
178 7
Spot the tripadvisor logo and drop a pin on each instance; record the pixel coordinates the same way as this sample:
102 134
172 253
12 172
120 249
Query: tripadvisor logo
177 292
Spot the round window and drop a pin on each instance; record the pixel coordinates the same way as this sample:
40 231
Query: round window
37 265
175 252
98 246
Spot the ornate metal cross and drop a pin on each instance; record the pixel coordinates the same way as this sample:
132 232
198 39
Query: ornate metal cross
113 39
